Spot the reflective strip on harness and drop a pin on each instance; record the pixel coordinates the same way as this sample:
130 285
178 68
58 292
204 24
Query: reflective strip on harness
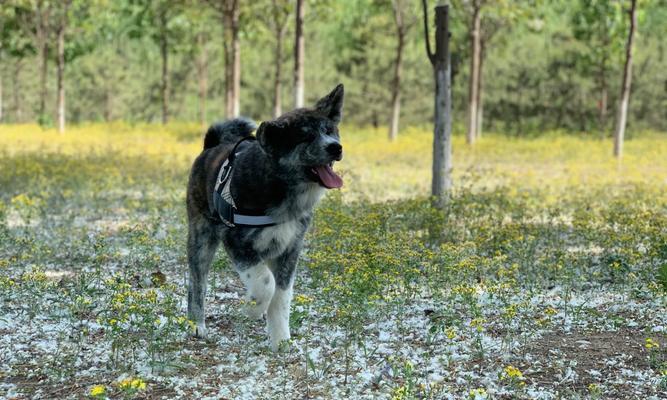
253 220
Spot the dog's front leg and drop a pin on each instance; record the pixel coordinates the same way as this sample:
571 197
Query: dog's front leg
283 269
202 244
260 287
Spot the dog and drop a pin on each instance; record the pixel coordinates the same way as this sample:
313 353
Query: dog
272 182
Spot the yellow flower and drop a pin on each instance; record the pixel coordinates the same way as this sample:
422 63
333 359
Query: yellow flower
138 384
477 393
451 333
651 344
550 311
513 373
125 383
97 390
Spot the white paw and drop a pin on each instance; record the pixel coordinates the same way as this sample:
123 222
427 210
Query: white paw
200 331
280 345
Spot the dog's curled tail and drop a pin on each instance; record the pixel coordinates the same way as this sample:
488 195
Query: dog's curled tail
230 132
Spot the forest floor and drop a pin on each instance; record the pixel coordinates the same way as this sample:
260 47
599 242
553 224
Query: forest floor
545 276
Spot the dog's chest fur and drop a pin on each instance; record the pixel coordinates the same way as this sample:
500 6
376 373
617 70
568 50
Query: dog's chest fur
276 239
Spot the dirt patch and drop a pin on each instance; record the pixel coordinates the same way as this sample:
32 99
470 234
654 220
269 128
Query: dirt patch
576 360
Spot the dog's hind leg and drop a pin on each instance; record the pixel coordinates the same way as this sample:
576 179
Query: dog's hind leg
260 286
202 244
283 269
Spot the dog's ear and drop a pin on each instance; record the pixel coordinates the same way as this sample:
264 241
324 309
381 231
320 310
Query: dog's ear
331 105
268 135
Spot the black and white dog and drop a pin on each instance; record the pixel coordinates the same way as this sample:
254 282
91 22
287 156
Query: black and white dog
268 194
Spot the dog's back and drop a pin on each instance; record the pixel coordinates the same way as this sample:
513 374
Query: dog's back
228 132
218 142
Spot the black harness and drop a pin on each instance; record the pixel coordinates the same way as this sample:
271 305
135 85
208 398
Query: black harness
224 208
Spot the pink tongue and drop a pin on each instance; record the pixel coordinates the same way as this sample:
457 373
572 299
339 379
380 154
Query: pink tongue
328 177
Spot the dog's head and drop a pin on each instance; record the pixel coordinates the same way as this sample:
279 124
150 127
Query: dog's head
305 142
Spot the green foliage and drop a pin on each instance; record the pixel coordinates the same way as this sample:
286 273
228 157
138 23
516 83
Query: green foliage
544 65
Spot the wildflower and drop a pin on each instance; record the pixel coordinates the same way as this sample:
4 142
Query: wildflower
97 390
476 394
302 299
478 324
138 384
594 389
651 344
132 384
451 333
551 311
513 372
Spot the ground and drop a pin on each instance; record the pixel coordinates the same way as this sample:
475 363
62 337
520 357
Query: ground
545 275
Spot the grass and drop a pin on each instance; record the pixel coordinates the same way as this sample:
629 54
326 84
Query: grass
544 277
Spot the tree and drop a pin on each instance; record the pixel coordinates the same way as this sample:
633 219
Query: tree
163 22
202 74
442 135
627 81
278 18
599 25
402 25
229 13
36 22
299 49
60 28
475 63
14 45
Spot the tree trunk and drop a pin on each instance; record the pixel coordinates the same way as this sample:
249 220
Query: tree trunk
229 95
232 52
1 105
277 77
61 77
480 93
299 49
236 78
396 81
43 90
164 52
625 88
16 86
474 72
202 74
442 140
604 96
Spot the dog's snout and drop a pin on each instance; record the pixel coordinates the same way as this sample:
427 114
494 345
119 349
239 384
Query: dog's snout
335 150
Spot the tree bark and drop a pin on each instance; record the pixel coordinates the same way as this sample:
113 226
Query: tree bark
442 143
277 76
60 65
42 43
164 53
474 71
16 86
299 49
1 104
202 74
625 88
604 96
480 93
236 78
232 52
396 81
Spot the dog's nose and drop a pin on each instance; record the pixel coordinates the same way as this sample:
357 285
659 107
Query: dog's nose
335 150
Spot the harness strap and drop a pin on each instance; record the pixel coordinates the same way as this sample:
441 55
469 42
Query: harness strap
223 202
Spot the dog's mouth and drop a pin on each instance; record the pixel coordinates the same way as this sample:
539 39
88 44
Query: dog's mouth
325 176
